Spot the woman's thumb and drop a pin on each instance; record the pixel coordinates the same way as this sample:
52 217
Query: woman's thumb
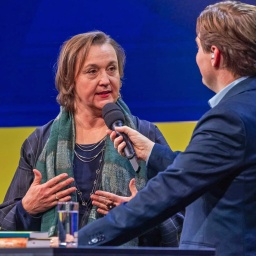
132 187
37 178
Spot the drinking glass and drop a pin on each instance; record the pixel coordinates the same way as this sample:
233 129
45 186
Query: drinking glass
68 224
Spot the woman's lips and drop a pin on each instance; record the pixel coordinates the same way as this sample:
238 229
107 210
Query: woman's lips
104 94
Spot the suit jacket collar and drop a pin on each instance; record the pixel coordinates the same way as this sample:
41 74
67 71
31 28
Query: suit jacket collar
246 85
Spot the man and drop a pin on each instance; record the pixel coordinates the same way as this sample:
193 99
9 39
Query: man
216 175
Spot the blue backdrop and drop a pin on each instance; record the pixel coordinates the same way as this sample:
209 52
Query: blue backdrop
162 81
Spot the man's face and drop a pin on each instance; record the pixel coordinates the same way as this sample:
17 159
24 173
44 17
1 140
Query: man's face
204 63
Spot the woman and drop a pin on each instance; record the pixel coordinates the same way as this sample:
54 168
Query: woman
71 157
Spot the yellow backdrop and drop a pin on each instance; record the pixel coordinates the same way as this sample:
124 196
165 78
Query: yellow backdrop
11 139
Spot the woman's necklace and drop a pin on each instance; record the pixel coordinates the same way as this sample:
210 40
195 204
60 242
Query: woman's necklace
84 159
89 148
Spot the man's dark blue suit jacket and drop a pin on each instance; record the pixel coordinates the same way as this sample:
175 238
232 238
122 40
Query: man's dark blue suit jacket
215 178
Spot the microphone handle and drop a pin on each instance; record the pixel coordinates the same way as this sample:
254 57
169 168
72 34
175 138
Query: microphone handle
128 150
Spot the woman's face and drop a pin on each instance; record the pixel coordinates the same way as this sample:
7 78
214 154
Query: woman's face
99 81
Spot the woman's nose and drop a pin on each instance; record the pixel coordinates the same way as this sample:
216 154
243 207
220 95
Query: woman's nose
104 79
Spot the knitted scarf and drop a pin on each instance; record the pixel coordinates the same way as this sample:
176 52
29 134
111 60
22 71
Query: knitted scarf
58 154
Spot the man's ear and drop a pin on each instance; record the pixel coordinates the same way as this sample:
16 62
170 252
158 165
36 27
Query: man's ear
215 56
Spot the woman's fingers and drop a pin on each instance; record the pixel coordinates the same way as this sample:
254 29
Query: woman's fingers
56 180
42 197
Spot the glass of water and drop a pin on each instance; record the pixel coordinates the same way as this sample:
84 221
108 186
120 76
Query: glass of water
68 224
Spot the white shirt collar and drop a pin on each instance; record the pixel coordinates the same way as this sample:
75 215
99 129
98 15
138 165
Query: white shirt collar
219 96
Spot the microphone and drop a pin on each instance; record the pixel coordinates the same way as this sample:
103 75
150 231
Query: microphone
114 117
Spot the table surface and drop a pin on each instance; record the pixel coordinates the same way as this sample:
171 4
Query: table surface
113 251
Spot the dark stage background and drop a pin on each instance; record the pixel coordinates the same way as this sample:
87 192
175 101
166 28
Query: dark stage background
162 82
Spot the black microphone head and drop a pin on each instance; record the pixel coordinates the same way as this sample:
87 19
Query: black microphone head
112 113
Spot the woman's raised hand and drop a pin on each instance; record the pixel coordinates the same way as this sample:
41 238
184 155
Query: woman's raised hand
105 201
41 197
